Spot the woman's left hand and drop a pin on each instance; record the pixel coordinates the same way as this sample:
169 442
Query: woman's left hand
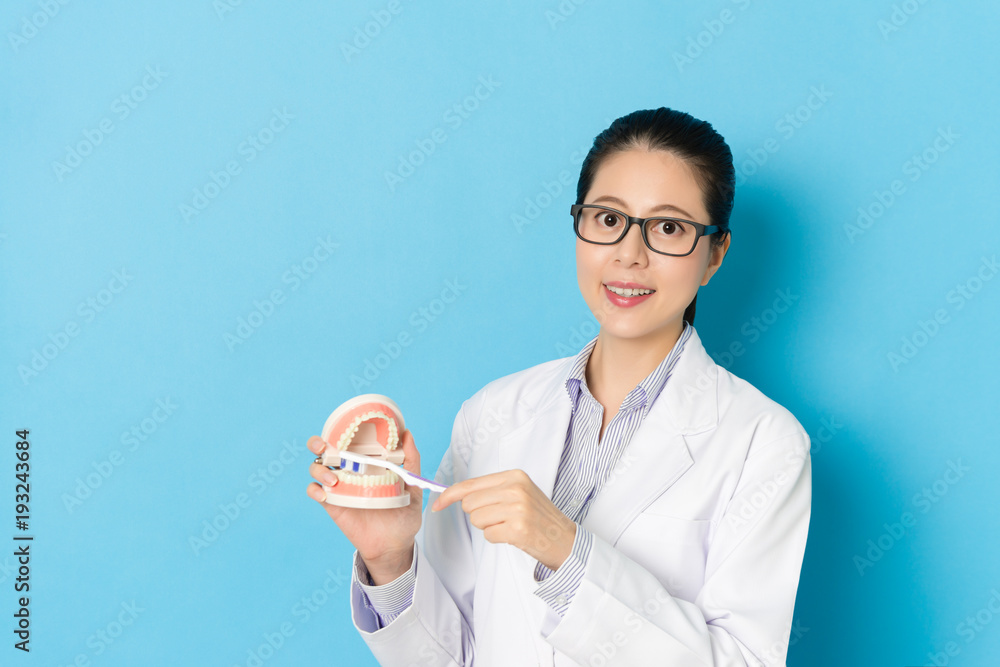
511 509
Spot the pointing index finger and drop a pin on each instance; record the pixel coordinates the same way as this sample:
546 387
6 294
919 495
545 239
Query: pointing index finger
459 490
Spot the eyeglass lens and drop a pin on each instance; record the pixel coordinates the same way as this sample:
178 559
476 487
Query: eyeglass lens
602 225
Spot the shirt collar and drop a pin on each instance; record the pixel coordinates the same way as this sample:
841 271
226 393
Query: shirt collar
644 393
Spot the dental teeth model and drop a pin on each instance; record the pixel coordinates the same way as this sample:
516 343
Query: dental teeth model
367 425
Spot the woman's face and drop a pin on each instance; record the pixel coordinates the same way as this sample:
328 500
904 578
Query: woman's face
644 183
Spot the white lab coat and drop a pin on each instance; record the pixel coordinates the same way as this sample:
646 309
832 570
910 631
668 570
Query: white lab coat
699 534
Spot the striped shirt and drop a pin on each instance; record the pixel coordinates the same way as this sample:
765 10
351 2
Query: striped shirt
586 463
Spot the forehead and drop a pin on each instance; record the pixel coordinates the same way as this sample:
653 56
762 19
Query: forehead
645 180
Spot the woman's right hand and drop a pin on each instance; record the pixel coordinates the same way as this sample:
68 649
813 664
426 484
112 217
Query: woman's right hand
383 537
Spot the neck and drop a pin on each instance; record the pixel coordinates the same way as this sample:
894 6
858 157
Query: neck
617 364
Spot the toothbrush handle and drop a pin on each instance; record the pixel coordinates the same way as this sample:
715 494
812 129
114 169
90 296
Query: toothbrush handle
408 476
423 482
414 479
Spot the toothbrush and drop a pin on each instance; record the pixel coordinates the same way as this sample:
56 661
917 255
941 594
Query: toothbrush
358 460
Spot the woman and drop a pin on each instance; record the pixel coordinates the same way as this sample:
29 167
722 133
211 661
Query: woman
635 504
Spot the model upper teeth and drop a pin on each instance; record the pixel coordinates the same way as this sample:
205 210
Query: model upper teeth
629 292
348 435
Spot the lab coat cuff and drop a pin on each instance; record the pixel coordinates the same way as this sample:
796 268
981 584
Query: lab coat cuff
559 589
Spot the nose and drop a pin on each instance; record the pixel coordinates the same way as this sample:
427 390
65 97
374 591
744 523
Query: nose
632 246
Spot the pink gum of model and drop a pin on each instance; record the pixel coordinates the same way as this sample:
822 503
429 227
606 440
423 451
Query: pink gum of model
371 438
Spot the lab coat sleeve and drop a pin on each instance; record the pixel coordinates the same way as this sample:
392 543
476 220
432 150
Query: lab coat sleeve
742 615
436 627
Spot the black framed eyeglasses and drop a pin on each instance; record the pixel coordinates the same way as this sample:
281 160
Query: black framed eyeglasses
667 236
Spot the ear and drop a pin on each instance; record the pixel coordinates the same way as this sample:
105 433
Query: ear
718 253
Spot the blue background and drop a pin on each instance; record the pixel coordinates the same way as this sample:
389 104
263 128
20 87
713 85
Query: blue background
330 124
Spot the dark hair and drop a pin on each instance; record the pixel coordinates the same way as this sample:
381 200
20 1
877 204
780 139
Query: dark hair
695 141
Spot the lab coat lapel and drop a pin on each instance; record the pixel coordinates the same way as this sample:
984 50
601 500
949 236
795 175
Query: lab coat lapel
537 445
654 459
658 454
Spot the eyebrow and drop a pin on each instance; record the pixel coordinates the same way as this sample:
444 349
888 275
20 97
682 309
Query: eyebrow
661 207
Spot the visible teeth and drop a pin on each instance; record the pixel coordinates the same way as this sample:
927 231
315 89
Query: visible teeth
348 434
628 292
349 477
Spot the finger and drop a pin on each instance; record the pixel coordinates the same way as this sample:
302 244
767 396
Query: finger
459 490
316 444
494 496
491 515
316 492
323 474
411 457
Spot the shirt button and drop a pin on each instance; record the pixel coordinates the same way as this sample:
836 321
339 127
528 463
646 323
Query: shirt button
561 599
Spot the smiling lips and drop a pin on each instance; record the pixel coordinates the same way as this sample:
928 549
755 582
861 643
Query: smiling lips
627 294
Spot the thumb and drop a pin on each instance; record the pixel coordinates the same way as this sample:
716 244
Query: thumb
411 457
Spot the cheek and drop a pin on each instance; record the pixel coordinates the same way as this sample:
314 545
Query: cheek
586 264
682 270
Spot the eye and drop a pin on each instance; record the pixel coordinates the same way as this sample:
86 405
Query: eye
608 220
668 228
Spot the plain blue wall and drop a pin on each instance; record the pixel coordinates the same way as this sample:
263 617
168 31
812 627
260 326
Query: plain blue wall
889 84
